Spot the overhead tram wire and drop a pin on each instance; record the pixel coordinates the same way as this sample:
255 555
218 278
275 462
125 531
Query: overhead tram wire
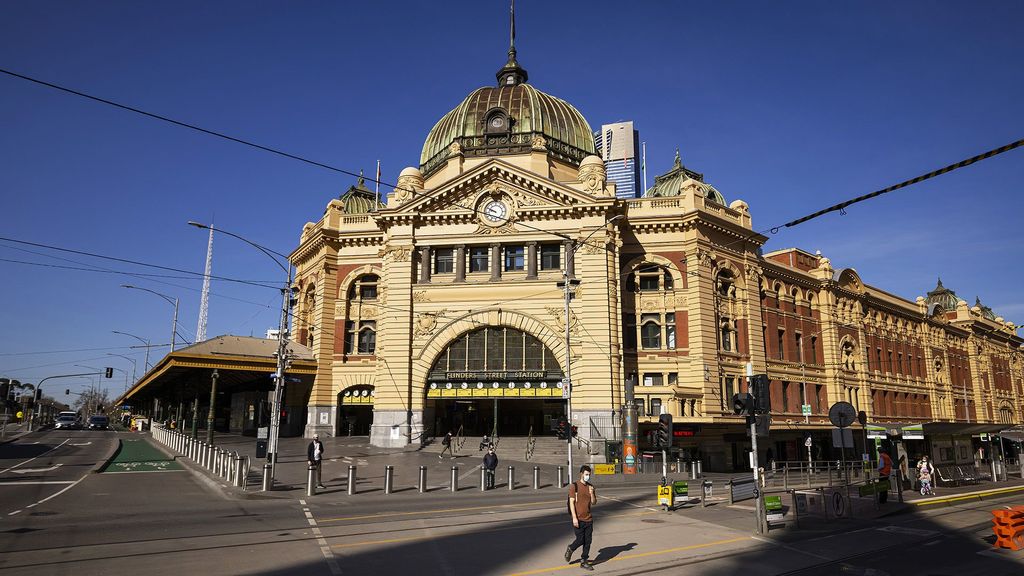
772 230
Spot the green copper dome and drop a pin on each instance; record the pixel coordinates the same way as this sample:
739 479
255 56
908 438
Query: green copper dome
359 199
507 119
671 183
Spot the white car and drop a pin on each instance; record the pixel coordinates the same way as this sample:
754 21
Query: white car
67 423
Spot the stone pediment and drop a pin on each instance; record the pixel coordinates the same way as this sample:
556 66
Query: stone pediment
525 190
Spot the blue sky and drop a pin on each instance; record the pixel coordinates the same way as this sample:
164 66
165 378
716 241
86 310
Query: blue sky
790 106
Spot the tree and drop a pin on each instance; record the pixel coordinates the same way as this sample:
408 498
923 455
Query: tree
92 401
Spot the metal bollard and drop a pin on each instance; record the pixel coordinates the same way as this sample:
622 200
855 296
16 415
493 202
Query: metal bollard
217 457
268 483
239 471
389 472
693 470
511 477
679 466
311 480
561 477
700 469
423 479
483 479
245 475
455 479
536 477
351 480
684 470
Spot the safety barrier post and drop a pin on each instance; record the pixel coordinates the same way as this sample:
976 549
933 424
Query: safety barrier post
423 479
311 480
389 472
511 477
455 479
268 482
351 480
536 477
561 476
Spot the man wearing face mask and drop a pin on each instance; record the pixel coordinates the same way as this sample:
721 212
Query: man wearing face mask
490 464
582 495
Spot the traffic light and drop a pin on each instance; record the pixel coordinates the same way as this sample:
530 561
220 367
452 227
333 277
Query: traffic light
743 404
760 388
664 437
562 429
109 372
574 430
67 391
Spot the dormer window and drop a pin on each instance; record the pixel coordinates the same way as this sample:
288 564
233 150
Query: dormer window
497 121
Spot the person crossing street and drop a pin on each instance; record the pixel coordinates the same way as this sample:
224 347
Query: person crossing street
582 496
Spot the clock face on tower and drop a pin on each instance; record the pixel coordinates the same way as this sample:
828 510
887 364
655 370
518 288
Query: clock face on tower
498 122
495 211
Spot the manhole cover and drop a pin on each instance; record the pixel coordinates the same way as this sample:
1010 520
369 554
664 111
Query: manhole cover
652 521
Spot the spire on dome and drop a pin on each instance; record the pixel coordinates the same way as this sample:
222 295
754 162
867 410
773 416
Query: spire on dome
512 73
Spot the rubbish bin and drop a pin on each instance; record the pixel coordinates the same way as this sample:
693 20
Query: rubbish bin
681 491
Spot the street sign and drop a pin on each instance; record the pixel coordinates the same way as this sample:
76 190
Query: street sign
842 414
808 442
806 409
842 438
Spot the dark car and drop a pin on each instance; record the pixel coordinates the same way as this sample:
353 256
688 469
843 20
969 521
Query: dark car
98 422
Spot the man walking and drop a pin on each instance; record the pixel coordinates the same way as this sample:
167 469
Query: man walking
581 497
490 464
884 470
447 443
315 456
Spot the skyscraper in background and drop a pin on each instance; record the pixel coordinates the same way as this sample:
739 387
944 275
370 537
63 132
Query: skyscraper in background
618 145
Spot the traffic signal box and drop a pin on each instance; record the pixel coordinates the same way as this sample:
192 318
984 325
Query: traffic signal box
757 401
562 429
663 439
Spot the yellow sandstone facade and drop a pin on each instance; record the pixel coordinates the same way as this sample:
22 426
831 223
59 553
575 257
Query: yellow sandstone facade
440 309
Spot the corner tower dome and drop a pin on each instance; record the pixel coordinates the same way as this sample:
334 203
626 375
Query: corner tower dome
508 119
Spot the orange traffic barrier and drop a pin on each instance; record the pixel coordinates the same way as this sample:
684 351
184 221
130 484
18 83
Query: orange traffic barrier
1008 527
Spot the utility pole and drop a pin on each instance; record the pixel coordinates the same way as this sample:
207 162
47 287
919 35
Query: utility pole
567 384
211 415
753 447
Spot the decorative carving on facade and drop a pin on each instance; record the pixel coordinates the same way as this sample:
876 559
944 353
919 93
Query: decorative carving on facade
420 296
455 149
524 199
558 315
754 273
593 177
506 228
395 253
651 304
593 246
681 301
539 143
368 312
705 257
426 323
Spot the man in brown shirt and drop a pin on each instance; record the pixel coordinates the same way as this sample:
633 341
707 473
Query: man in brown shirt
581 497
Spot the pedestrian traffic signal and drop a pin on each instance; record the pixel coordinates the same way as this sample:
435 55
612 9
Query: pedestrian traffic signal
664 436
562 429
760 387
67 391
109 373
743 404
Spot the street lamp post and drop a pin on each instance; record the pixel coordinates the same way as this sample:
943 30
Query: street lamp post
140 339
566 284
172 302
282 344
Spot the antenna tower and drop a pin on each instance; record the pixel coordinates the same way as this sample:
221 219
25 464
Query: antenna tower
204 303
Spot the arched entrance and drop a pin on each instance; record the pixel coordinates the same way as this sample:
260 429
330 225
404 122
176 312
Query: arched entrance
496 379
355 410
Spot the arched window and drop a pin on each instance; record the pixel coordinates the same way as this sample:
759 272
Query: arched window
726 284
652 278
849 353
308 309
361 325
777 292
650 331
728 335
495 349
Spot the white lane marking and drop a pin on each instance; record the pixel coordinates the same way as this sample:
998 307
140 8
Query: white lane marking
13 513
62 491
35 470
325 549
40 456
30 483
630 504
82 443
907 531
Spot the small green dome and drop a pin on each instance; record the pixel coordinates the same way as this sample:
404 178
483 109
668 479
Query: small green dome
671 183
359 199
506 119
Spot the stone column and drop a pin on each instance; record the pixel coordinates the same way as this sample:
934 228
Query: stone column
531 262
460 263
425 265
495 262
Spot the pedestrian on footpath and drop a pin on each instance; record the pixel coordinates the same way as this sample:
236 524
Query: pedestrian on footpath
315 455
490 465
447 443
884 470
582 495
924 474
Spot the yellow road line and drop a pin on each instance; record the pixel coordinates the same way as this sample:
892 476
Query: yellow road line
502 528
415 513
971 496
634 556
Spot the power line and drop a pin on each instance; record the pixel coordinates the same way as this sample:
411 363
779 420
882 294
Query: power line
65 351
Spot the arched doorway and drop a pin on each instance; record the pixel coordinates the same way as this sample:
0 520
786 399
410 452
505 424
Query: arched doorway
355 410
496 379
